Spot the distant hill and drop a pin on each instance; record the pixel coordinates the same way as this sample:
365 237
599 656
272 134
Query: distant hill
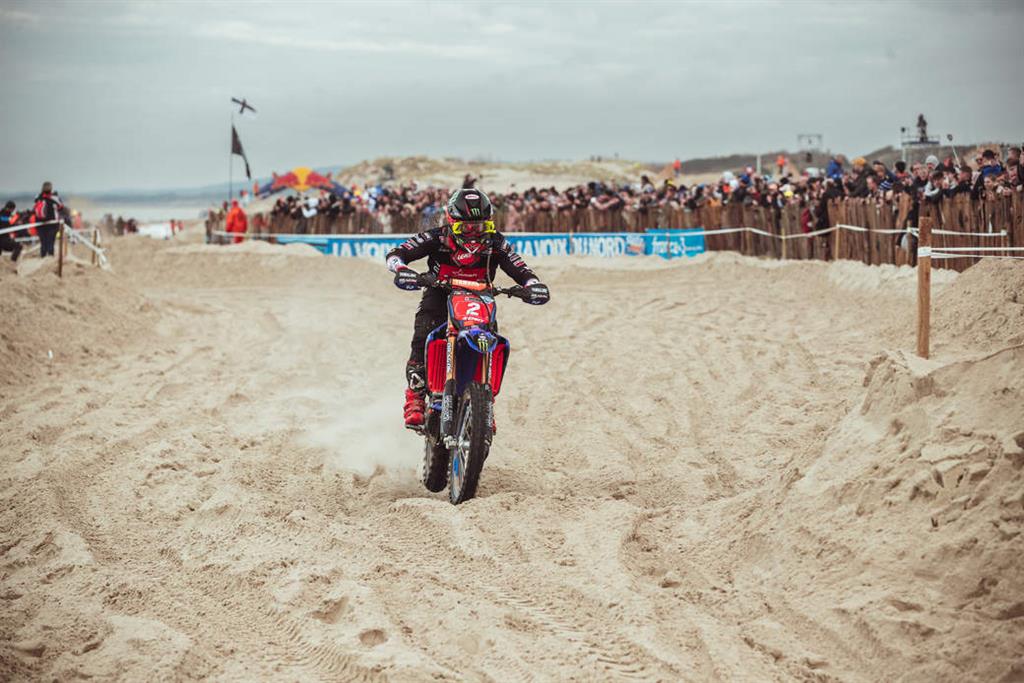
732 162
888 155
504 176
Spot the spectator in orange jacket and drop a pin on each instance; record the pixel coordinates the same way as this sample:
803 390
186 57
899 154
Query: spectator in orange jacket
780 163
7 240
236 221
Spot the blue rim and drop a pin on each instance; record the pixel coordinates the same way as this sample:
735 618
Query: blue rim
461 455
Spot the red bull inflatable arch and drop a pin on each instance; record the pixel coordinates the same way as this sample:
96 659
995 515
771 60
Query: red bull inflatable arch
300 179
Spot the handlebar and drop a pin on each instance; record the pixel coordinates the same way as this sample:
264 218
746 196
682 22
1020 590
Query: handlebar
430 280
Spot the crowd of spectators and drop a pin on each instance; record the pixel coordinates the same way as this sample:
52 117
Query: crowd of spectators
404 206
385 203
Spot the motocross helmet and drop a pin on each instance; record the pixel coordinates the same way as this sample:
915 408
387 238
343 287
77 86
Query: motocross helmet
469 213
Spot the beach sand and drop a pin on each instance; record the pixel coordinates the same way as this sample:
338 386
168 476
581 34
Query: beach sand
720 469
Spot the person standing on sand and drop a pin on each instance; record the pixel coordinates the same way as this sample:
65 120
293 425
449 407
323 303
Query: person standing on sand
7 241
236 221
47 210
208 224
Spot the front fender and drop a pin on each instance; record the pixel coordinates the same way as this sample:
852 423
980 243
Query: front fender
469 347
478 339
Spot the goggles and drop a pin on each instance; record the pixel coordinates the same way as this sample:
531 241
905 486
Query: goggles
472 228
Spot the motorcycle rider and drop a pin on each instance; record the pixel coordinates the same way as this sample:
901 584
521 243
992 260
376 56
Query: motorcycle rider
467 247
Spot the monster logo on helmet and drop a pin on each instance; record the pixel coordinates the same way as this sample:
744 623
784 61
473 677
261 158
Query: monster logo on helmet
465 205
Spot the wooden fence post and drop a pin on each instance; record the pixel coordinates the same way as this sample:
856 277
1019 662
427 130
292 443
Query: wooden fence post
782 237
60 253
924 285
838 243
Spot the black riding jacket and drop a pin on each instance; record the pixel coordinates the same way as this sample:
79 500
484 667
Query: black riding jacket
446 259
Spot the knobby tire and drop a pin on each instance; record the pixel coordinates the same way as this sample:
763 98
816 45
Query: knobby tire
478 400
435 465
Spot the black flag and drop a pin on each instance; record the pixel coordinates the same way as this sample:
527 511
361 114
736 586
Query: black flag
236 148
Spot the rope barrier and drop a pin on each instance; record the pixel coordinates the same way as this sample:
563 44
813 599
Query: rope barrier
981 248
941 255
26 226
82 239
795 235
73 235
689 231
886 231
944 253
1001 233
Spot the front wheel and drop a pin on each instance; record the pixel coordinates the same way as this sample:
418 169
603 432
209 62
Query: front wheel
472 442
435 465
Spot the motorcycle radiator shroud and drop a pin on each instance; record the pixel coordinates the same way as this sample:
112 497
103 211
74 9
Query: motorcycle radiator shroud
471 315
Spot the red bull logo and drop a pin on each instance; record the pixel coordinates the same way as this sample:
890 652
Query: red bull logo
314 179
300 179
283 182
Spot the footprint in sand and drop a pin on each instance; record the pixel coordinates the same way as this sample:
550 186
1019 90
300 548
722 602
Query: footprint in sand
332 611
373 637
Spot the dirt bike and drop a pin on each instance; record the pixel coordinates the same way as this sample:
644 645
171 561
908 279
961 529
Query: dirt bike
465 363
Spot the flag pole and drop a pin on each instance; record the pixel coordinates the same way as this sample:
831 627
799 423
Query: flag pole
231 154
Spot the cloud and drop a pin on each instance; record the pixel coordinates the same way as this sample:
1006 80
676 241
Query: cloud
339 82
17 16
246 32
497 29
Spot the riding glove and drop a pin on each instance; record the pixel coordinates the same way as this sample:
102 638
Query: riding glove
536 293
407 278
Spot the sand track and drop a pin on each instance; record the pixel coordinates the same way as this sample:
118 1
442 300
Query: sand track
723 470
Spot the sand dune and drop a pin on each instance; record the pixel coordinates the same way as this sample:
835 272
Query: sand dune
724 469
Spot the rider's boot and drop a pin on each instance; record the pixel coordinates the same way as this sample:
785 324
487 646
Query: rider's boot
414 405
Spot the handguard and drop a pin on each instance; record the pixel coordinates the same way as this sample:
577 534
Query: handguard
407 279
536 294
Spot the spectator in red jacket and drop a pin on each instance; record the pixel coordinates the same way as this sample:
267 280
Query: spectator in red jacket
236 221
47 211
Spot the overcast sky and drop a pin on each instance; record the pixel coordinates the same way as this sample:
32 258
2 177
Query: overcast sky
136 94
